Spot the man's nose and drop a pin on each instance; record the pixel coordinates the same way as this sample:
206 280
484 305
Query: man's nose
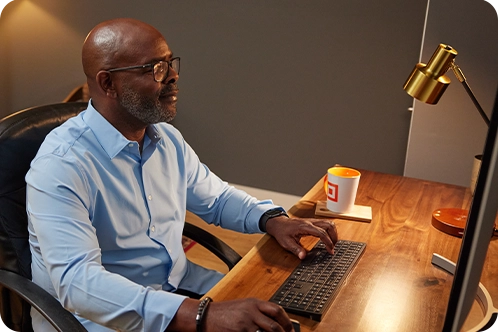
172 77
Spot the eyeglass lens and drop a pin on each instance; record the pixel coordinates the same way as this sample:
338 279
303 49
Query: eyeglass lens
161 69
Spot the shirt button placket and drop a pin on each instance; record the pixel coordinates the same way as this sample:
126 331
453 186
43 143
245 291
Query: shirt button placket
152 227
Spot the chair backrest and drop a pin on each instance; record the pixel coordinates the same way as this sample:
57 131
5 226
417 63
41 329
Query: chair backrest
21 135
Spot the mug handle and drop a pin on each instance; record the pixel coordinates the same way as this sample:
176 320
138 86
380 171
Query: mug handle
325 182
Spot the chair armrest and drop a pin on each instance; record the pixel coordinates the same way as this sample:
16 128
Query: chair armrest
61 319
222 250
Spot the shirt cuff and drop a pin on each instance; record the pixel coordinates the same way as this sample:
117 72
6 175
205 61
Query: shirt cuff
160 308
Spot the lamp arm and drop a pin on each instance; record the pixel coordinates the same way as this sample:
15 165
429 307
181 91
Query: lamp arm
459 75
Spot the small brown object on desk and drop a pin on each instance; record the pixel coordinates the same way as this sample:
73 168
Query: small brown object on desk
453 221
450 220
394 286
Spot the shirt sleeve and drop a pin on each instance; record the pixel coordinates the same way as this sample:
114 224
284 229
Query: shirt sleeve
217 202
64 241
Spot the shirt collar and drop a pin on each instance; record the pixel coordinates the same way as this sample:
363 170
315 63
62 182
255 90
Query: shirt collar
111 140
153 134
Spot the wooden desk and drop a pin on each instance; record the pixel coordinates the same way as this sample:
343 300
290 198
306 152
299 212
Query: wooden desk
394 287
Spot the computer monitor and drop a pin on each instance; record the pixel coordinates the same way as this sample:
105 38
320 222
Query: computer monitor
477 234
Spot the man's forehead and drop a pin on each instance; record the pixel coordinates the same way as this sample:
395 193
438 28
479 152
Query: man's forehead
142 47
158 51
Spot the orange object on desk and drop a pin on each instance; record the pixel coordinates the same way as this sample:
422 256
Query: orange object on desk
450 220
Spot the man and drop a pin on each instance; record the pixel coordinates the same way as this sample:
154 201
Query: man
107 195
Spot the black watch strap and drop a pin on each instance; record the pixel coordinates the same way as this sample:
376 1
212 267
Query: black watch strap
272 213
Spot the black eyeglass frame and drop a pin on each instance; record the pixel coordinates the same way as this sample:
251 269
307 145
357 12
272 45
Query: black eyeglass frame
152 65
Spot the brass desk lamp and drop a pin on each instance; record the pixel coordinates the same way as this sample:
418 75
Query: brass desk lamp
427 83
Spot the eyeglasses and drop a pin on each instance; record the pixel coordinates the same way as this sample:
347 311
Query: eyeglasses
160 69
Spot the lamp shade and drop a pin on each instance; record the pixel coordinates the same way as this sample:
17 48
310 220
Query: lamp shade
427 82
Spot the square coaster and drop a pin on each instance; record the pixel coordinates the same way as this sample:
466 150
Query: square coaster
359 212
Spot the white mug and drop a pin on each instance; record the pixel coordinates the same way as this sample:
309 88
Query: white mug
341 187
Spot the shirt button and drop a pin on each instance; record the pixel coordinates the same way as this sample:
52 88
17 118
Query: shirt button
153 228
130 145
149 197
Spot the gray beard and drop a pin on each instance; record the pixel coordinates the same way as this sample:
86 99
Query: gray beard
148 110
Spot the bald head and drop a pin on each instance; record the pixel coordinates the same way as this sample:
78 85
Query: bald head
129 98
116 43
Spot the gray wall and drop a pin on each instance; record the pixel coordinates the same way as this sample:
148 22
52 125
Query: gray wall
272 92
445 137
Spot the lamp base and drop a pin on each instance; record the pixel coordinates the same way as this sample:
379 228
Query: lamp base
450 220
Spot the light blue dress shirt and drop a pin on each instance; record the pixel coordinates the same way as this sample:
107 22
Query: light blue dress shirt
106 222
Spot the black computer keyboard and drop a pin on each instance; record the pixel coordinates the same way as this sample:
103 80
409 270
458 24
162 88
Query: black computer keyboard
312 286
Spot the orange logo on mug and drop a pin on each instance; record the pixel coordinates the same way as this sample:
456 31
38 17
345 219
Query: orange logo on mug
333 191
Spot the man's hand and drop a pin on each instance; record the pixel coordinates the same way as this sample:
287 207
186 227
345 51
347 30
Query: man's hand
246 315
236 315
288 232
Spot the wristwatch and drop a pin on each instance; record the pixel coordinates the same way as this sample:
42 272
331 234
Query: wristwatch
272 213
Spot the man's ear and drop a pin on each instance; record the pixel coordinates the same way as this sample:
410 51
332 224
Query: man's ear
106 84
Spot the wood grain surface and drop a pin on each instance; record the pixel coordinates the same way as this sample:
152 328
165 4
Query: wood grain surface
394 286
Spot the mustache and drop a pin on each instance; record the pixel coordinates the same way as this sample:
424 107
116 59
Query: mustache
169 88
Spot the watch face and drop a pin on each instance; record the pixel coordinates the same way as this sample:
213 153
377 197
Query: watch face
268 215
274 213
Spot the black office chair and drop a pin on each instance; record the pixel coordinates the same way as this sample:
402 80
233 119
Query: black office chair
21 134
